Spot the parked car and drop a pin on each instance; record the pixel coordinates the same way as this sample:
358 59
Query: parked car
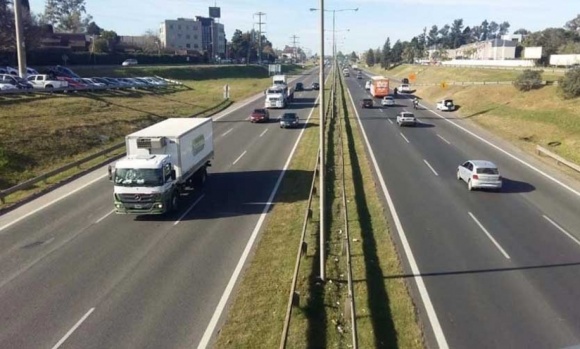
406 118
299 87
4 86
315 86
388 101
446 105
289 120
479 174
46 81
129 61
17 81
73 82
112 82
63 71
93 83
260 115
366 103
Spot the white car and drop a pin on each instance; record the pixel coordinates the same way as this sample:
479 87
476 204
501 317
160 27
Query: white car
446 105
404 88
130 61
479 174
388 101
368 85
5 86
406 118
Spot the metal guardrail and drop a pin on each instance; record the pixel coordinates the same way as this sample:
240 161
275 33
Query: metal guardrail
469 83
31 182
546 69
558 158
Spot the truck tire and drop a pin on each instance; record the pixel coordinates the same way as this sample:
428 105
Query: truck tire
200 178
174 202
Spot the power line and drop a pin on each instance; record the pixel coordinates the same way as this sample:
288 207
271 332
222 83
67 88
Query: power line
294 41
259 23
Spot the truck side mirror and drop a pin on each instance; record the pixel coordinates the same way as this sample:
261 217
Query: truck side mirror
173 175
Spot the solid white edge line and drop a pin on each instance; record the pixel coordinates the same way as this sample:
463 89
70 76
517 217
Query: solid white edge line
263 132
562 230
189 209
444 140
73 329
51 203
405 138
431 167
431 314
234 278
239 157
105 216
226 133
489 236
389 120
509 154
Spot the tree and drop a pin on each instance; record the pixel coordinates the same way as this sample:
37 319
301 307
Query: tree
444 36
386 54
573 24
504 28
493 30
397 52
432 37
370 57
353 56
522 31
569 48
455 34
67 15
111 38
528 80
152 43
94 29
551 40
484 31
408 54
569 84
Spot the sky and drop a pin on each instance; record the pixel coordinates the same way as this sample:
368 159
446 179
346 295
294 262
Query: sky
356 31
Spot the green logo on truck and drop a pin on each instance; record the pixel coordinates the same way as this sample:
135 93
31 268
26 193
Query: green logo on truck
198 144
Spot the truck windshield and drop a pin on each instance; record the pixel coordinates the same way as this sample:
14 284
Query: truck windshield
138 177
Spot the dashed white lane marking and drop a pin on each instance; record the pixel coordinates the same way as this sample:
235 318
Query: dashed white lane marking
57 345
239 157
431 167
562 230
405 138
489 236
444 140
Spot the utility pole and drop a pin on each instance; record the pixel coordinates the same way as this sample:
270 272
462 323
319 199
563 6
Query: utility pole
19 39
259 23
294 37
322 157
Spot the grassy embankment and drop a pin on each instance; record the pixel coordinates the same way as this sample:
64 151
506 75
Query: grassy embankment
384 311
40 132
524 118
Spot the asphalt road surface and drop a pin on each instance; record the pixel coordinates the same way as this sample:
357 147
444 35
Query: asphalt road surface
75 275
487 269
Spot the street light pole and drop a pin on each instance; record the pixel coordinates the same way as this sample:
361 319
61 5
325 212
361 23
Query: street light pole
19 39
322 162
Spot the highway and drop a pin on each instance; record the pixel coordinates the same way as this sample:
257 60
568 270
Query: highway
486 269
75 275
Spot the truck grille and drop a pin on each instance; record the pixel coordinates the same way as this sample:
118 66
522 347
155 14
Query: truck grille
136 198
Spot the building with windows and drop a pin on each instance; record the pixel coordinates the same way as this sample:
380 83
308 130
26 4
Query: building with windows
201 34
181 34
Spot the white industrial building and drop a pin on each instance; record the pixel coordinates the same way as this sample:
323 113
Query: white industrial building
200 34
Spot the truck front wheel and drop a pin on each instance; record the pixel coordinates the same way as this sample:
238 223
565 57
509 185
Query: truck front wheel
173 203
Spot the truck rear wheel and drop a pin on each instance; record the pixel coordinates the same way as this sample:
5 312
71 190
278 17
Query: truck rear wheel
200 178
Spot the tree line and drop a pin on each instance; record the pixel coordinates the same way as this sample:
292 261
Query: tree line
456 34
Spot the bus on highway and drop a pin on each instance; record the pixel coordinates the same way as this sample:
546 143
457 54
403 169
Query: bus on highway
379 86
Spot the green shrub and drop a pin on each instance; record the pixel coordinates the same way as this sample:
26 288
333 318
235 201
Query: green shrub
529 80
570 83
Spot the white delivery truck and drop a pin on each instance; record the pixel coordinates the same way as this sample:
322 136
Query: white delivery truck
162 161
279 80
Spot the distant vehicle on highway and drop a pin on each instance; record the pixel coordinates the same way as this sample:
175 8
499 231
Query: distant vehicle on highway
260 115
405 88
406 118
446 105
315 86
130 61
289 120
299 86
379 86
479 174
366 103
388 101
359 75
368 85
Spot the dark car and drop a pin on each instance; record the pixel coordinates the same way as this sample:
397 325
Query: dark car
16 81
289 120
299 87
315 86
366 103
260 115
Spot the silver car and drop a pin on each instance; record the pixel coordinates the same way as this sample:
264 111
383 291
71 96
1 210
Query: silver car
479 174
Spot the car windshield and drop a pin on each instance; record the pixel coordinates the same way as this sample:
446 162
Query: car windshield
448 102
259 111
138 177
487 170
289 116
